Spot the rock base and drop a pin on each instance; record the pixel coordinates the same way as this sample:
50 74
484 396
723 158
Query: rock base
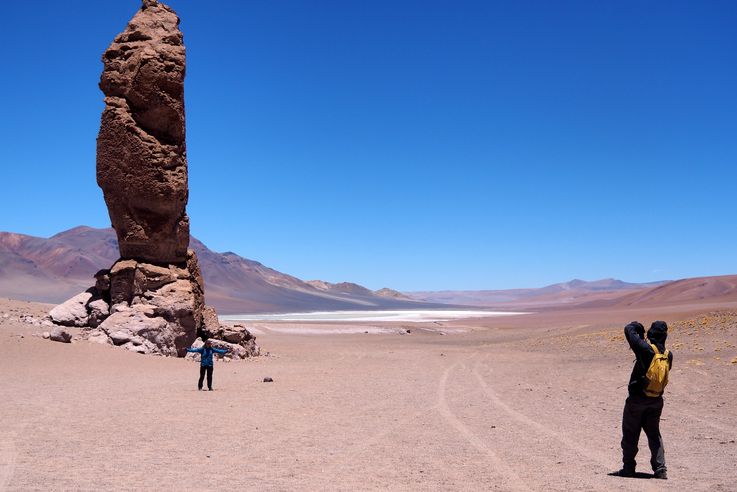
150 309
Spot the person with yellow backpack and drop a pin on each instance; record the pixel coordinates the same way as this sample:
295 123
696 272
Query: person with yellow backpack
644 405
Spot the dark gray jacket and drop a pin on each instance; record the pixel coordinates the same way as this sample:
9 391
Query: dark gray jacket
634 332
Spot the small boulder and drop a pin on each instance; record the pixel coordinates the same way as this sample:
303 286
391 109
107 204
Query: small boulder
152 277
102 282
59 334
122 276
72 312
143 328
211 324
98 336
234 335
119 337
98 311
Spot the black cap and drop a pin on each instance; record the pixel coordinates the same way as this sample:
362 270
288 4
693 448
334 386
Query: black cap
658 332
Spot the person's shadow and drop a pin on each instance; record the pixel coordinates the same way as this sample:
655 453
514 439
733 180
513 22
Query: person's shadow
637 475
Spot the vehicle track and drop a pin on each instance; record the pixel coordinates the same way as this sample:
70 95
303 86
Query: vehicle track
512 480
8 454
585 453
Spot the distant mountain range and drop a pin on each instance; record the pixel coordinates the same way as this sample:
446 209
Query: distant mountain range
600 293
573 292
56 268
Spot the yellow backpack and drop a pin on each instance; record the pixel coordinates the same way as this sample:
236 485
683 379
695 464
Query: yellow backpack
657 373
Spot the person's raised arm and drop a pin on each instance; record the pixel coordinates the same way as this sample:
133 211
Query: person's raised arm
197 350
219 351
634 333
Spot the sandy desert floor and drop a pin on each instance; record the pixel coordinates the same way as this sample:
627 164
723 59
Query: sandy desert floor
525 403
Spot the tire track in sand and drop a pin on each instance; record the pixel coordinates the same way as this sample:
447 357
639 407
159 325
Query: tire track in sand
8 455
511 479
582 451
587 454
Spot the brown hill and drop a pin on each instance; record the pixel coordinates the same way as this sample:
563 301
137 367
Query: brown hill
600 293
53 269
350 288
691 290
387 292
574 292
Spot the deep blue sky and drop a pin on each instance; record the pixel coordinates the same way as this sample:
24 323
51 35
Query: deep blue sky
410 144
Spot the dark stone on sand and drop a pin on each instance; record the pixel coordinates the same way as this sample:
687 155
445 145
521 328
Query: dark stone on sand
59 334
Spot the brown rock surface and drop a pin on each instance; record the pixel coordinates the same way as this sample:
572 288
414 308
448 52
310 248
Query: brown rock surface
141 151
152 299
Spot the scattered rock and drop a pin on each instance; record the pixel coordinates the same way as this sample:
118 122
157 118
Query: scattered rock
268 380
59 334
46 335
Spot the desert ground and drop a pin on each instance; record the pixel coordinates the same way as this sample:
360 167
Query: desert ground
531 402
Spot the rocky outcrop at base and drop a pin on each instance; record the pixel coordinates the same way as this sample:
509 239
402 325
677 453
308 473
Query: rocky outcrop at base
150 309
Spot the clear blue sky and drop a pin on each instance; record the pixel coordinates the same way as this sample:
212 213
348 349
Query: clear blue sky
410 144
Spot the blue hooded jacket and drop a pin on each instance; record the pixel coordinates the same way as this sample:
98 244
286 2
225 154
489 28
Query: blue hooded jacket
206 354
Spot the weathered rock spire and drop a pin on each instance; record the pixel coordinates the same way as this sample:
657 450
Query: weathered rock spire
141 149
152 300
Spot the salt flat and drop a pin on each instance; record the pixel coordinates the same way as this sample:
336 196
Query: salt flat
414 315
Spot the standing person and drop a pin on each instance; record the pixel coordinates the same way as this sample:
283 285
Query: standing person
644 404
206 362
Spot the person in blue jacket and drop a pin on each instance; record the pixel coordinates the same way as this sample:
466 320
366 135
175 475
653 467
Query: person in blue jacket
206 362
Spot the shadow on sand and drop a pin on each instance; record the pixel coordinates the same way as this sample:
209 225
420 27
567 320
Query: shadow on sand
636 475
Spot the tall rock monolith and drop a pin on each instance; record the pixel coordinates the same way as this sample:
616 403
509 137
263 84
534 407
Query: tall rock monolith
152 299
141 149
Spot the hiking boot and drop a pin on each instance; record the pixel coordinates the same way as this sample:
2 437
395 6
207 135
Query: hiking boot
661 474
624 472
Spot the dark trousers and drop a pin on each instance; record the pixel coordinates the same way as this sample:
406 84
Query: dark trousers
204 369
642 412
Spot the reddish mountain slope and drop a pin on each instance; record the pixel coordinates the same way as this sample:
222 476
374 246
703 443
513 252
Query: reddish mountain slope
54 269
691 290
568 293
600 293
